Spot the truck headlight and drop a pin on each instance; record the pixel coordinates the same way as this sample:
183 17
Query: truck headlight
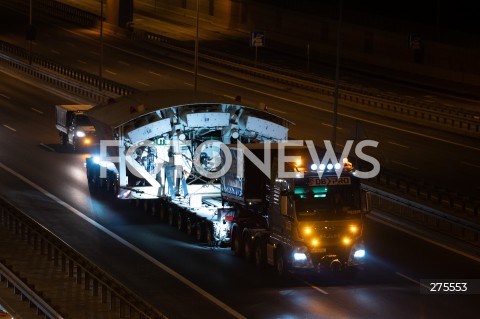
359 253
299 256
80 134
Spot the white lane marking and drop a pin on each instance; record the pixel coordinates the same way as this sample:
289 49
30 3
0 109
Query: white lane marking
82 62
470 164
315 287
406 165
9 127
412 280
154 73
111 72
189 84
47 147
126 243
143 83
123 62
55 51
71 44
397 144
35 110
5 96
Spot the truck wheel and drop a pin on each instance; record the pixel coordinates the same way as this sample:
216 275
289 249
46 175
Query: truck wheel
260 255
153 207
171 217
180 221
63 139
209 238
248 248
237 243
199 232
163 211
189 227
280 266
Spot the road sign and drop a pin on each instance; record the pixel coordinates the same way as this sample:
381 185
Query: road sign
257 39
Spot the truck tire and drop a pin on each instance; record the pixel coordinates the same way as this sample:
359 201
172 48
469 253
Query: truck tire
163 211
280 266
209 238
237 243
248 250
189 227
63 139
181 221
260 254
199 232
171 216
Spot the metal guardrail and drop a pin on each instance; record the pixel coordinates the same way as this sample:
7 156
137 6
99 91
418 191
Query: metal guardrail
437 116
75 265
454 226
20 288
36 66
58 81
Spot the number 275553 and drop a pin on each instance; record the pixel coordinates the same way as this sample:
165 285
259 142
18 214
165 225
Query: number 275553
448 286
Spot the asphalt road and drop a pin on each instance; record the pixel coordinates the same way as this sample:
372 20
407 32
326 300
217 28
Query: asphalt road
228 287
387 288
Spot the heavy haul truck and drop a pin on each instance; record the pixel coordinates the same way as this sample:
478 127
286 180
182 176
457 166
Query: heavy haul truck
179 154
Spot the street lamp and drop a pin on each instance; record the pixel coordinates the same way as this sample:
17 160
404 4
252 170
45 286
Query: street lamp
195 64
337 78
100 67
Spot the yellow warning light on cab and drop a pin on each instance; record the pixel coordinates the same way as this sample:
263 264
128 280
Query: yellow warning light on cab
353 229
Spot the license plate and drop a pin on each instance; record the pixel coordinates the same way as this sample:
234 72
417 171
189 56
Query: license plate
319 250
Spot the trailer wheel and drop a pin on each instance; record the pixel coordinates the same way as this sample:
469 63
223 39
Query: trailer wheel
180 221
153 207
260 254
189 227
163 211
199 233
210 239
171 217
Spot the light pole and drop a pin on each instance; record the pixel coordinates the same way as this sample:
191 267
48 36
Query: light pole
337 79
30 32
195 64
100 66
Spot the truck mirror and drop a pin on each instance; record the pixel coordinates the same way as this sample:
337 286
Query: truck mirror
284 205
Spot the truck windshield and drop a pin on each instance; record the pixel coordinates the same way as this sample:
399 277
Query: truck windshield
327 202
82 120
